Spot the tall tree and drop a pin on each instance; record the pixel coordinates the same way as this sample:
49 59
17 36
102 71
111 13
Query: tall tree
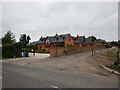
93 38
28 39
8 38
24 39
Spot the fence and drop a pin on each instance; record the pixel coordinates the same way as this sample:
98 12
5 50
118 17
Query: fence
102 53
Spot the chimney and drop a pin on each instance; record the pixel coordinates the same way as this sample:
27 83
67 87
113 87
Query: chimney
78 37
41 38
56 34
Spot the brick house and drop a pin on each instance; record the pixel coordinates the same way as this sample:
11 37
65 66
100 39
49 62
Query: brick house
79 40
57 40
99 42
65 40
88 42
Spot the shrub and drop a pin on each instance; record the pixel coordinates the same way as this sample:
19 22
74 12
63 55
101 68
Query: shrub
70 45
44 50
7 51
60 45
10 50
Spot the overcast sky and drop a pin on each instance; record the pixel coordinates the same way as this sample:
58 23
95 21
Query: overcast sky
41 19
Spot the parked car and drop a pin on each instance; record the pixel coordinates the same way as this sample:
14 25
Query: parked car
108 46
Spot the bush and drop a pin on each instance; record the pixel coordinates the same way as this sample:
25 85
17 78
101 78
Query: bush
108 46
30 47
60 45
115 67
7 51
70 45
10 50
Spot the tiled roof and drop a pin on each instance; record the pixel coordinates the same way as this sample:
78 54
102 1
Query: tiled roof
40 42
34 43
88 40
54 39
81 39
99 41
61 38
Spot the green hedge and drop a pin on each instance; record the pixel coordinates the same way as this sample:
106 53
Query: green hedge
10 49
60 45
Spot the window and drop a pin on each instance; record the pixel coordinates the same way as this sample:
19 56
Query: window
40 47
69 39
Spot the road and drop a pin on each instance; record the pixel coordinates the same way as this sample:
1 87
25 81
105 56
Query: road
29 76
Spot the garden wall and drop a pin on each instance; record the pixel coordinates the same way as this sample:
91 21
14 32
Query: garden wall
59 51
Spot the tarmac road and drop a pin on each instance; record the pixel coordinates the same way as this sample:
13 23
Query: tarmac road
28 76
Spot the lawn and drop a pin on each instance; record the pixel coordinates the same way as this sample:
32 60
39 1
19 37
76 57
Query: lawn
2 58
115 67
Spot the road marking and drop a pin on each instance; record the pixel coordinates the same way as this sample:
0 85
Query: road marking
54 86
0 77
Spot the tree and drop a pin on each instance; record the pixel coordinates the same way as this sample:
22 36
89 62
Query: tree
8 38
24 39
28 39
9 46
114 43
93 38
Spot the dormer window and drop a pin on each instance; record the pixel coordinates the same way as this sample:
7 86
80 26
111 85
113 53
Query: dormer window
63 38
57 38
60 35
47 41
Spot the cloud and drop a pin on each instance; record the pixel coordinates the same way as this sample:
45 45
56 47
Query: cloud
42 19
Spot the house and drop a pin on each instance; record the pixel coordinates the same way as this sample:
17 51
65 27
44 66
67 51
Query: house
88 41
65 40
99 42
79 40
57 40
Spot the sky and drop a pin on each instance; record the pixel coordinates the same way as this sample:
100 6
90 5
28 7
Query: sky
38 19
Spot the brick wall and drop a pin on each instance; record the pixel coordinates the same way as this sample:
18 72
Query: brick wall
40 46
59 51
56 51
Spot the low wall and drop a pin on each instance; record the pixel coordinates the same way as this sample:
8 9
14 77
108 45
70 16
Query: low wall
59 51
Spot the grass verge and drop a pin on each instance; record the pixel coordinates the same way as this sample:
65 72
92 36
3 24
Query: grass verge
112 53
115 67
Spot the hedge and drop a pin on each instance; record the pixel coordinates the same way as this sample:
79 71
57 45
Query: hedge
10 50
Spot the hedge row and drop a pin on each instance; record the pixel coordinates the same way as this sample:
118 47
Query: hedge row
11 50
